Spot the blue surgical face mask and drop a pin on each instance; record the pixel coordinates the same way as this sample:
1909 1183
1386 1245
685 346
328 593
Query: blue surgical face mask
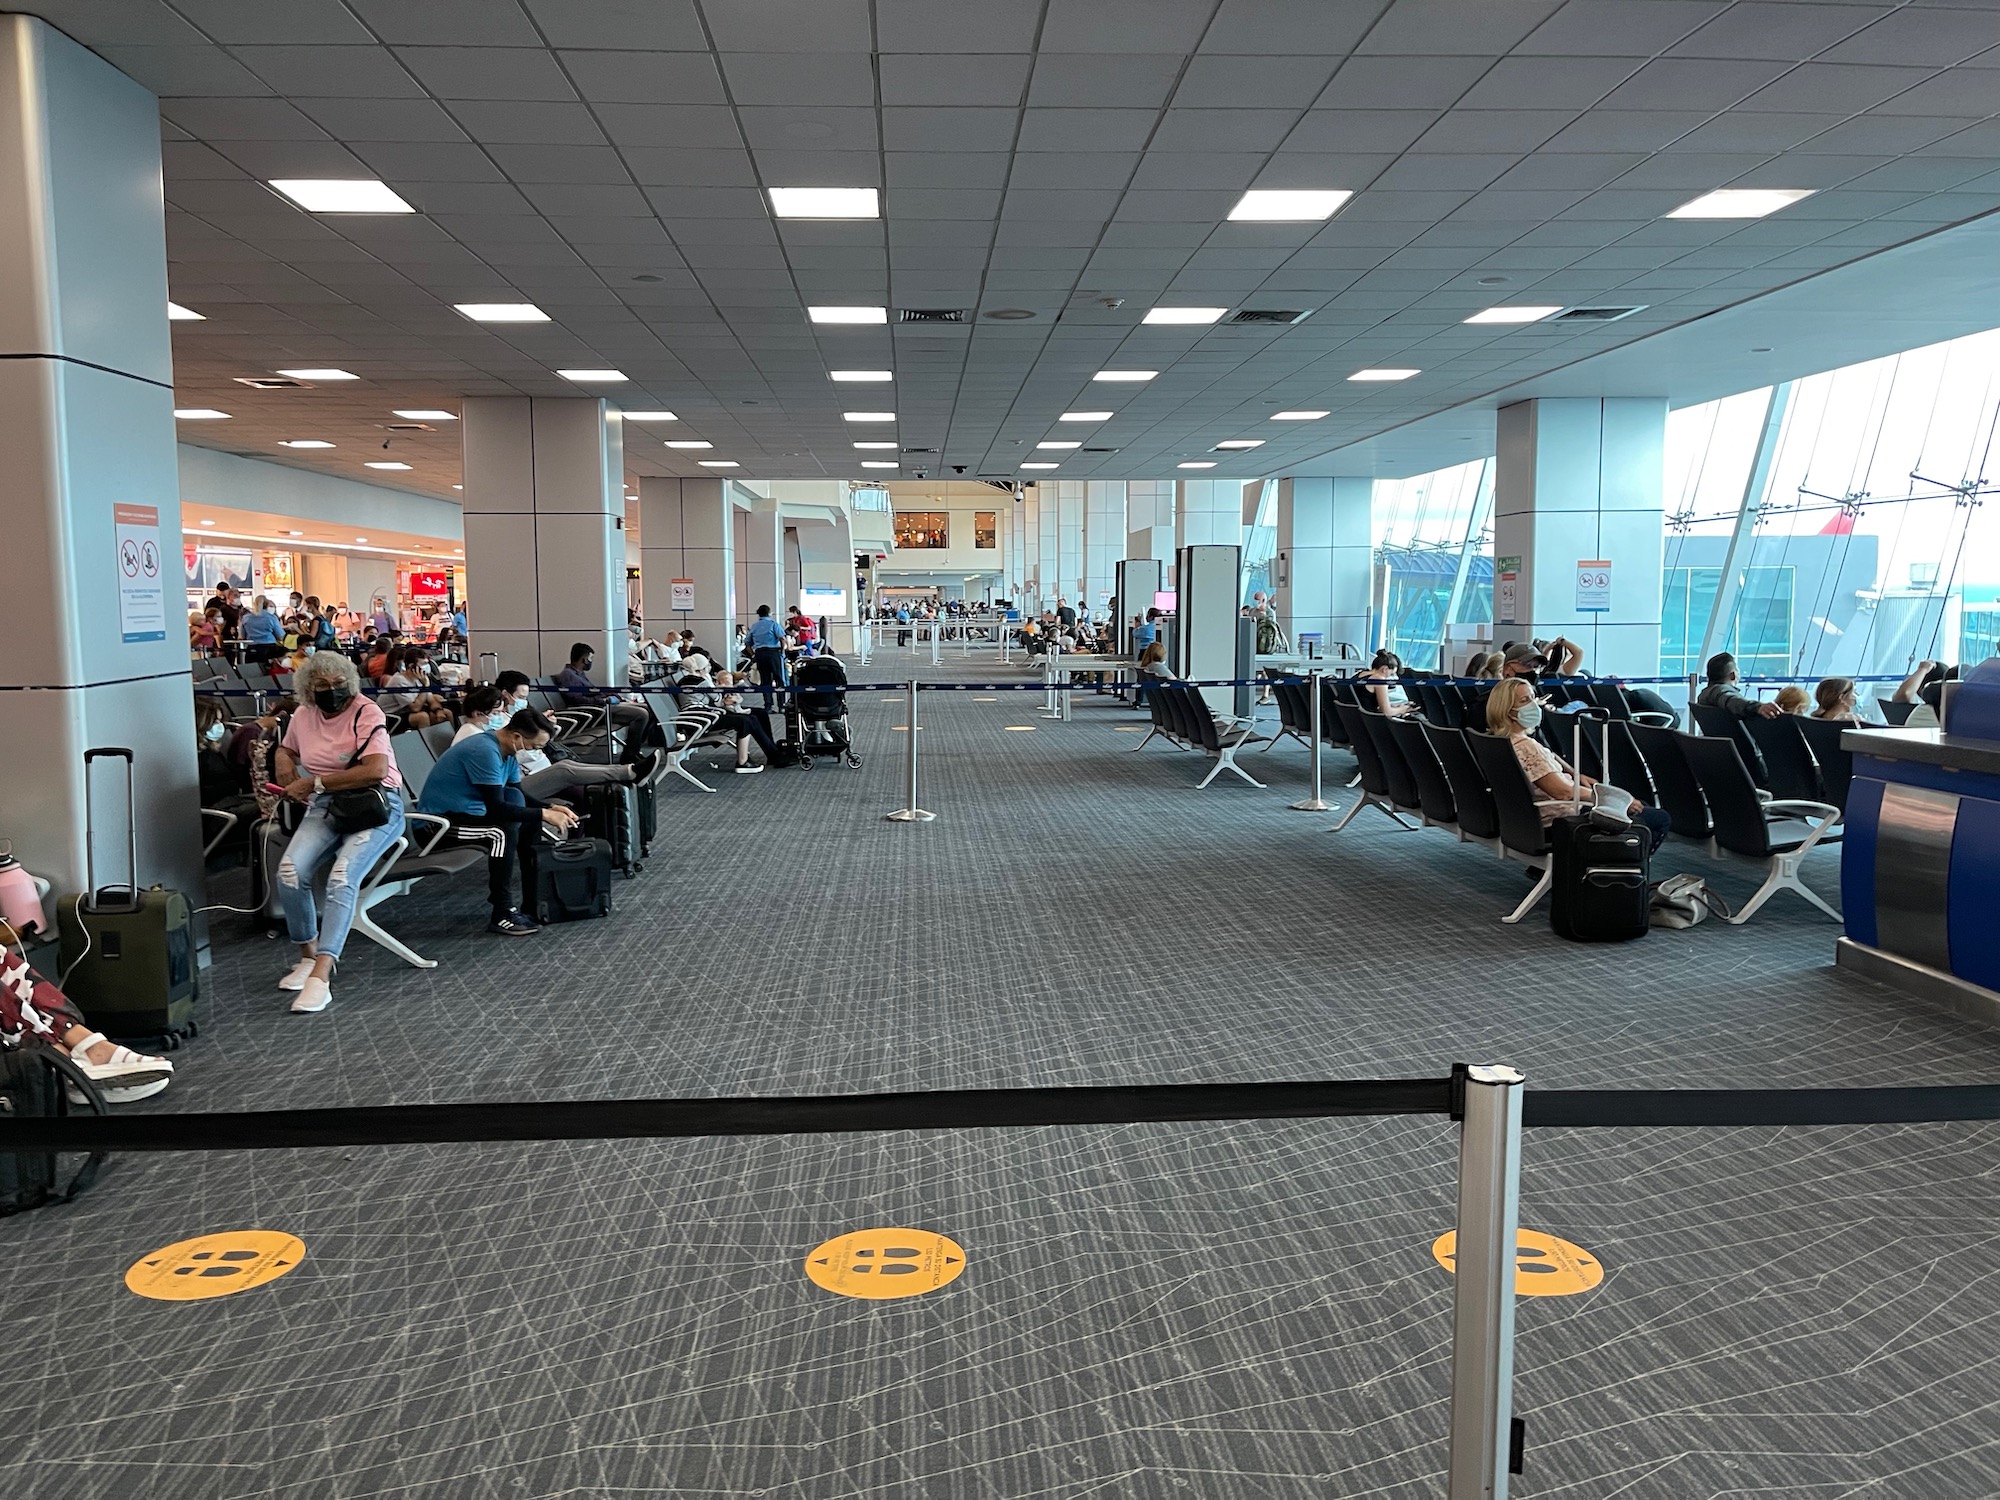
1528 715
213 733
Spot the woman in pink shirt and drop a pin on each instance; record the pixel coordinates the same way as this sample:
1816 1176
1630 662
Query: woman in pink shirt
337 741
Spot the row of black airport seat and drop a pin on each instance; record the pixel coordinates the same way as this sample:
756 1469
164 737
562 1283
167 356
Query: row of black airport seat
1471 784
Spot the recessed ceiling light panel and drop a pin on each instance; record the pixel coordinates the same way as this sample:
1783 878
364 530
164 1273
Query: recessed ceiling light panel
501 312
869 416
318 375
425 414
593 377
1086 416
1241 443
837 314
1296 416
178 314
342 195
874 445
1184 314
1740 203
862 377
1058 445
689 443
720 463
385 466
651 416
1125 375
304 443
200 414
880 463
1041 466
826 203
1515 314
1203 463
1288 206
1388 374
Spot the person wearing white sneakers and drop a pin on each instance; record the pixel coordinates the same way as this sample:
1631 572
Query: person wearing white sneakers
32 1007
337 741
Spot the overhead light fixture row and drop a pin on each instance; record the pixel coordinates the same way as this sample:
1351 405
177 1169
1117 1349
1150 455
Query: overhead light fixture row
501 312
1041 466
880 463
1515 314
874 445
826 203
1740 203
1288 205
342 195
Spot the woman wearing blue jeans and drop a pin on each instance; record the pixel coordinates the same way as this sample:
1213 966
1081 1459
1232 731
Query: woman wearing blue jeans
337 740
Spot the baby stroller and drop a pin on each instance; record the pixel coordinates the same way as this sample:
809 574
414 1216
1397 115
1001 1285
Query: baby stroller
822 726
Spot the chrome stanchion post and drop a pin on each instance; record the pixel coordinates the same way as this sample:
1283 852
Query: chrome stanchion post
911 812
1482 1339
937 629
1693 693
1314 803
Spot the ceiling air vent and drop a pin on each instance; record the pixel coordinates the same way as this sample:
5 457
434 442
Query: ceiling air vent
920 450
1596 314
1100 450
930 315
1271 315
409 427
273 383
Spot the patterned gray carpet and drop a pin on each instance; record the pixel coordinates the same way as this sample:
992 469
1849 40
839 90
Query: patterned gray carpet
1158 1311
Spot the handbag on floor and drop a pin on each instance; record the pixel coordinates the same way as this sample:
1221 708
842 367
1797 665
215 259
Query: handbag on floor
1685 901
32 1076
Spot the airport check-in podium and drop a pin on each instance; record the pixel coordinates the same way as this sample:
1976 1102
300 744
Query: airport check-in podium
1920 862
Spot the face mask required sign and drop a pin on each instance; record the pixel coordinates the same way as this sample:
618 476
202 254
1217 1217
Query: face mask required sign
142 597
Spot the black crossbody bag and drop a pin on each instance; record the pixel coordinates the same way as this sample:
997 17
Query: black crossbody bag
357 809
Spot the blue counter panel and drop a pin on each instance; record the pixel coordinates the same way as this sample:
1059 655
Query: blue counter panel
1975 893
1857 859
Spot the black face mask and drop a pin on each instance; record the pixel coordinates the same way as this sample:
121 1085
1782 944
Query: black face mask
586 664
331 701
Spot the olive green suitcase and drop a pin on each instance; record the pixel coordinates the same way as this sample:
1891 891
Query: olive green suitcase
128 955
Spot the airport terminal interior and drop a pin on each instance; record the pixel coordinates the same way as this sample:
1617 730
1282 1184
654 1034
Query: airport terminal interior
1039 748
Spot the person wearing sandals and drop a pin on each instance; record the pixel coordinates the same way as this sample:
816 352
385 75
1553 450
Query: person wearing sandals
336 741
30 1006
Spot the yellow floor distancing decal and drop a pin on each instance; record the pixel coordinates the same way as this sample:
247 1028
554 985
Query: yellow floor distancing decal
985 700
1544 1266
215 1265
881 1263
1020 729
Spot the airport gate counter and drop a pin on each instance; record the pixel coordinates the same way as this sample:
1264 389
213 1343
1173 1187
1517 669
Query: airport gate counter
1920 871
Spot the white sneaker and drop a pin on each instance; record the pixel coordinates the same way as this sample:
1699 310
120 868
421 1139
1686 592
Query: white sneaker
125 1077
300 972
316 996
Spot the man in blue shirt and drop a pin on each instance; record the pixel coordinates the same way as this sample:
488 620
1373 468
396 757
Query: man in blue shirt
476 786
263 632
767 648
1146 631
458 621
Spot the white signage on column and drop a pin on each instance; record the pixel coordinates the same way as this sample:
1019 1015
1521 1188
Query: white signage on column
142 604
683 592
1506 589
1593 586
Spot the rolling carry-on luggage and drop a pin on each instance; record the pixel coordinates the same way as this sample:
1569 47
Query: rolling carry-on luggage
35 1083
648 798
572 881
1599 892
611 813
128 956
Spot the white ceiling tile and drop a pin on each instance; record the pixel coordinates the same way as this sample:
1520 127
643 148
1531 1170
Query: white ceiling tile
1691 83
624 77
790 168
1889 135
526 121
1274 27
1227 81
675 203
812 128
1085 129
509 73
990 26
1620 28
1786 31
266 160
331 72
1432 27
596 165
1922 36
666 166
800 78
668 24
1848 87
383 119
1757 132
1213 130
1099 81
1125 25
1444 171
297 22
495 23
955 169
1485 130
1963 92
241 119
809 26
1401 83
1624 130
1533 84
975 78
1321 169
1197 169
942 203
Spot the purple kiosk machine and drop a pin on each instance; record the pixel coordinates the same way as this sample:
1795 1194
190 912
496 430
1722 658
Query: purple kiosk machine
1920 868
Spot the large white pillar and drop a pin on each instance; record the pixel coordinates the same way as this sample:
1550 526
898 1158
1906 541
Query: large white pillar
1149 520
1209 513
1325 559
544 530
686 532
760 559
92 604
1103 539
1032 592
826 561
1578 482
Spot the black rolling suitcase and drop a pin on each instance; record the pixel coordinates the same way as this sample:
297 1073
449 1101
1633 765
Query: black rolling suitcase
572 881
127 954
648 799
32 1086
611 813
1599 891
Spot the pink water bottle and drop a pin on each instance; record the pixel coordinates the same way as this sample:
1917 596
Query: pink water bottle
20 902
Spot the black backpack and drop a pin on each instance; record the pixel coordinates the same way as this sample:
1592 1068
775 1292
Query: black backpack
31 1087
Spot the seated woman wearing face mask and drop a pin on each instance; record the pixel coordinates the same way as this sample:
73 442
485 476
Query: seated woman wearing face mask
337 741
1513 714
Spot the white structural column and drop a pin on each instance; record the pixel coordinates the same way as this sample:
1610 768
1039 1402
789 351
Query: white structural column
826 561
544 529
1069 507
760 557
1103 539
687 532
91 597
1576 517
1324 564
1209 513
1149 520
1033 569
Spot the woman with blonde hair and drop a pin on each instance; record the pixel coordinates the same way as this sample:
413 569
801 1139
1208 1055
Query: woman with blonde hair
1792 698
1512 714
337 741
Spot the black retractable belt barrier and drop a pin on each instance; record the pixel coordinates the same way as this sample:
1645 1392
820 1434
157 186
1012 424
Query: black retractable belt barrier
624 1119
1725 1107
